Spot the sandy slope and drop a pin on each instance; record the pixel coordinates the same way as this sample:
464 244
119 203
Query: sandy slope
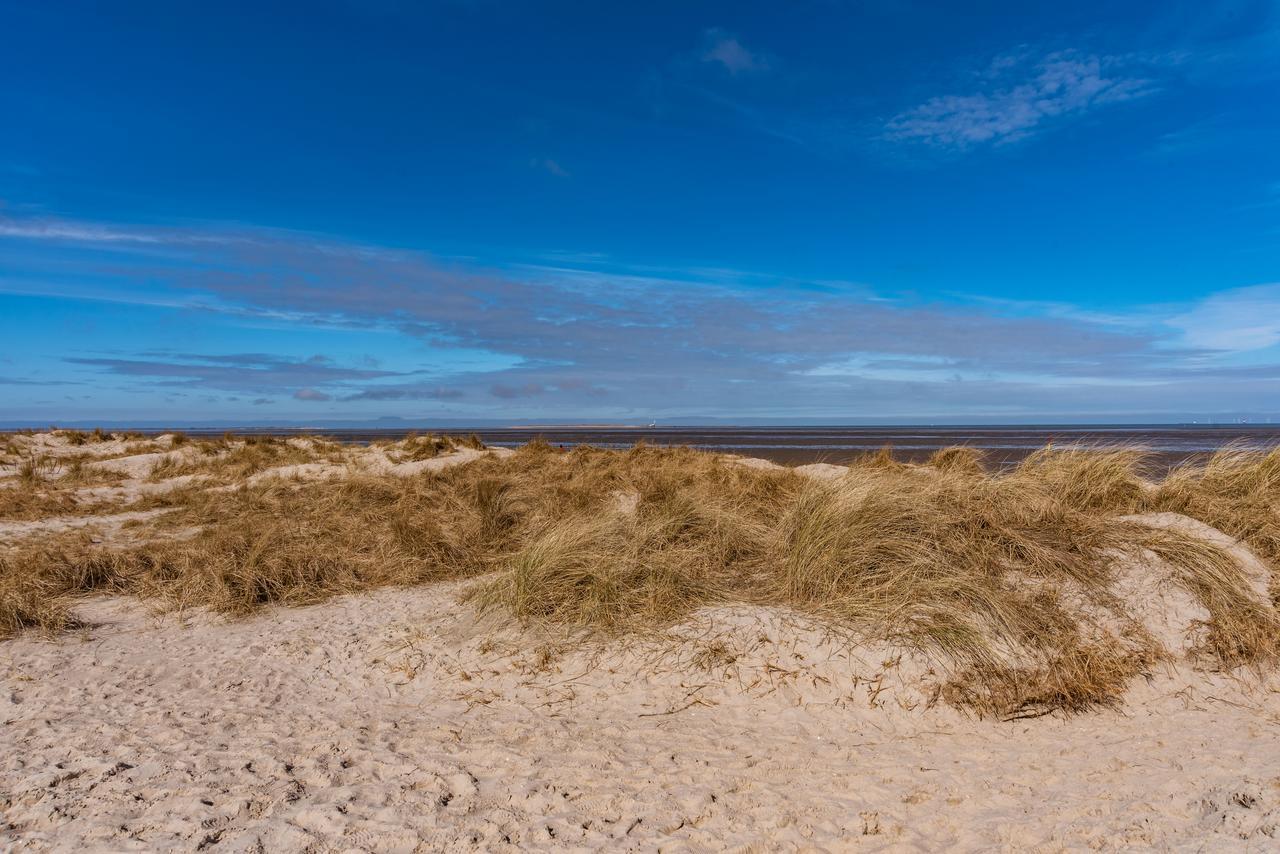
396 721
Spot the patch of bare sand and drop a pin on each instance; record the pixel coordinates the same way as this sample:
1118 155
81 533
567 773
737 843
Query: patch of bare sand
754 463
300 472
1149 591
817 471
398 720
822 471
58 446
140 465
131 490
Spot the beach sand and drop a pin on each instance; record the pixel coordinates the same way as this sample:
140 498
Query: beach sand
398 720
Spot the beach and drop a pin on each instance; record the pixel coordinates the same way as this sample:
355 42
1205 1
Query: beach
668 427
422 716
393 721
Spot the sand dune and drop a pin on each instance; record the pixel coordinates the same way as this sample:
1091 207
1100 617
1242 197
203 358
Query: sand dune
403 718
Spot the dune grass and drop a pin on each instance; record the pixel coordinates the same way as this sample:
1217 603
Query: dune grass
229 460
25 501
1004 578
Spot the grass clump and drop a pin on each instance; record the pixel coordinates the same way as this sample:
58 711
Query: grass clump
24 502
75 437
80 437
964 566
29 604
685 544
1235 491
1087 479
36 468
472 441
230 461
415 447
959 458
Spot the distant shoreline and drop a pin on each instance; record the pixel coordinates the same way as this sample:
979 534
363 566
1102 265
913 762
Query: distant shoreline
579 427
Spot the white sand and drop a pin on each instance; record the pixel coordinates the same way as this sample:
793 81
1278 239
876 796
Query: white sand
393 721
126 491
822 471
140 465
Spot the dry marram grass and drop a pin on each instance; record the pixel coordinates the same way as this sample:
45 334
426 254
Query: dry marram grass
1006 579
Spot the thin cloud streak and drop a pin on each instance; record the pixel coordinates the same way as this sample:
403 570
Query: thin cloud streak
236 372
1020 101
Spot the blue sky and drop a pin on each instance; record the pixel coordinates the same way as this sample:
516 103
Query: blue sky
828 211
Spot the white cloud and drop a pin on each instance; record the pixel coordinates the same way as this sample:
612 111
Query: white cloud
730 53
71 231
1023 100
59 230
549 165
1236 320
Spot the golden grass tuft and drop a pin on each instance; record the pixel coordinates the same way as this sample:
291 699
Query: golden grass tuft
36 468
27 502
1235 491
415 447
472 441
230 461
959 458
75 437
29 604
1089 480
37 583
882 458
80 437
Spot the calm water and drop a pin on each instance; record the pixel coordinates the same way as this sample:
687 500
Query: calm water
795 445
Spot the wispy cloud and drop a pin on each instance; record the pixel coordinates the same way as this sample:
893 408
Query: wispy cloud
566 338
235 372
549 165
41 383
61 230
1236 320
508 392
725 50
1020 98
407 392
